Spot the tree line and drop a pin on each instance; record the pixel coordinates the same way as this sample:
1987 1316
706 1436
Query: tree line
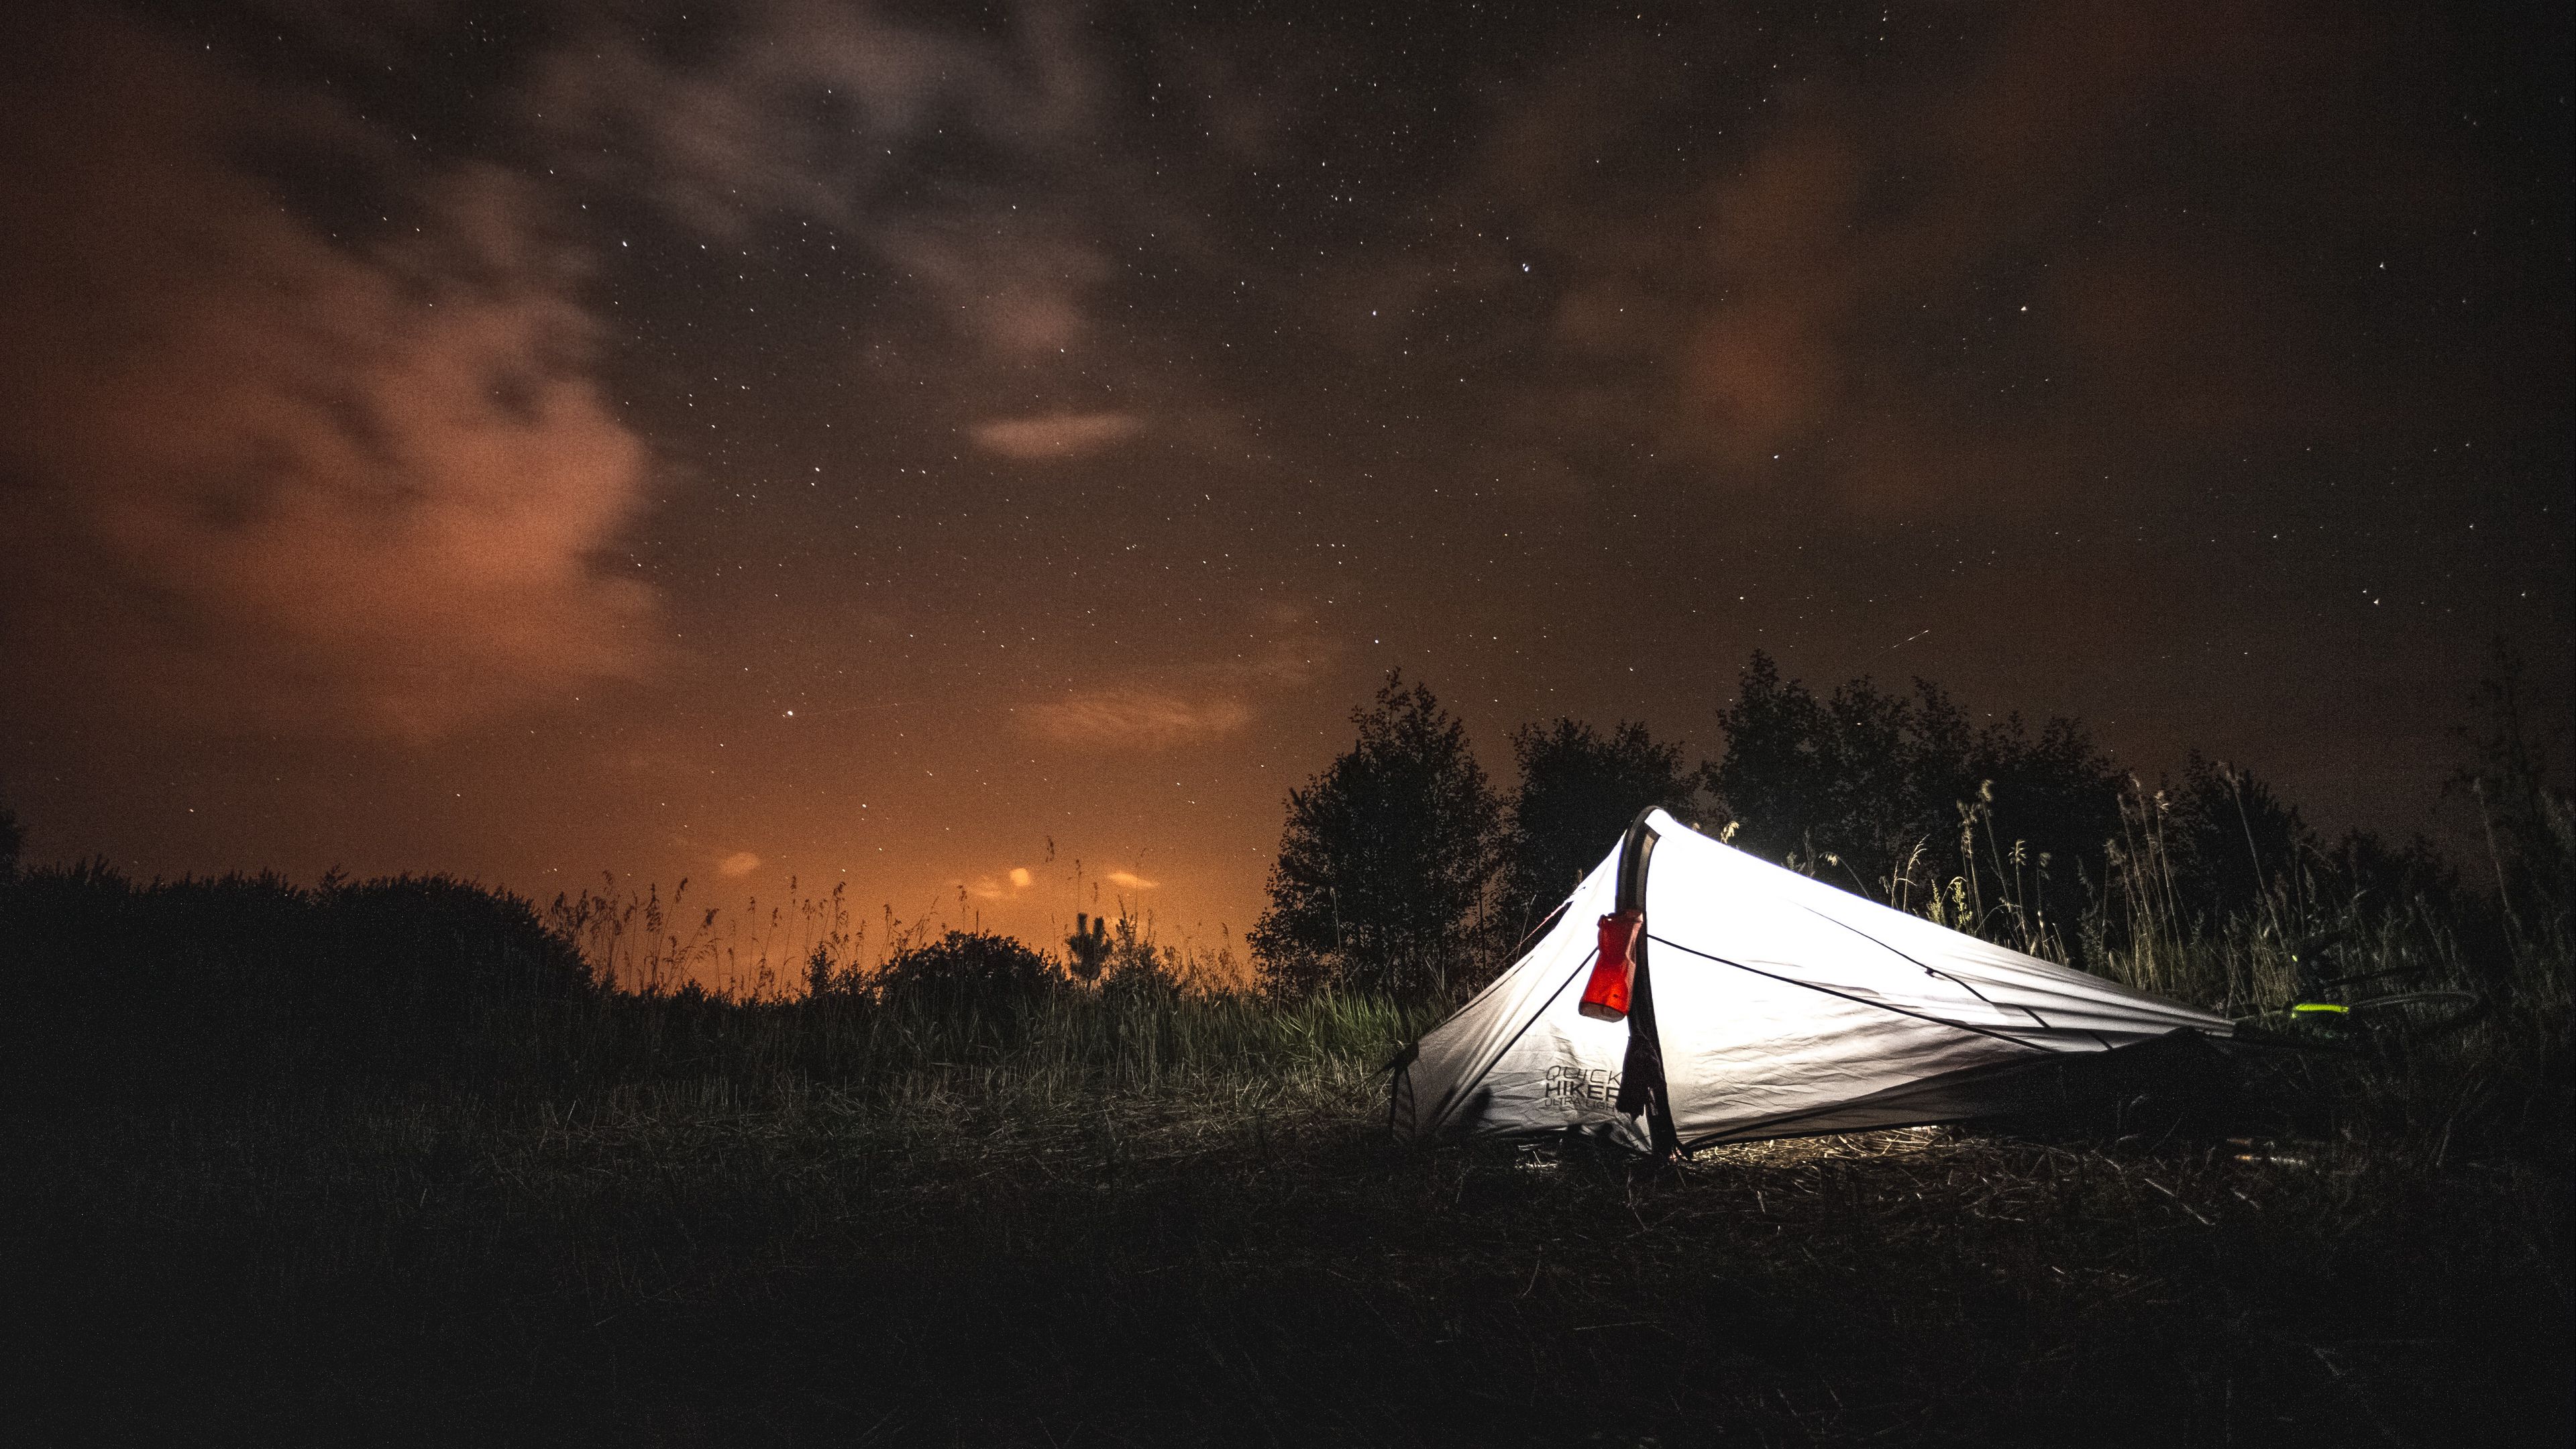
1404 870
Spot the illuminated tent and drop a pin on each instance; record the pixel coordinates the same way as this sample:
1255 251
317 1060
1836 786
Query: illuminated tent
1689 994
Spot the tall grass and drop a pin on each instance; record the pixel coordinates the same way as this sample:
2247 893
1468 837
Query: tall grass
255 983
2471 1033
2319 914
638 941
1069 1046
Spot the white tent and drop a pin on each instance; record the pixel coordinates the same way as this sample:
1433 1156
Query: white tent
1776 1005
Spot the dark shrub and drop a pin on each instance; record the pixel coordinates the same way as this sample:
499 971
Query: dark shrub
969 971
252 980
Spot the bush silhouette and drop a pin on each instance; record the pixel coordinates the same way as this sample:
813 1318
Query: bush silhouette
254 980
969 971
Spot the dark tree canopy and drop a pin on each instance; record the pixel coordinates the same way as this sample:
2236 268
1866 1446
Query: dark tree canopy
2229 835
2517 745
1579 789
1850 785
1386 859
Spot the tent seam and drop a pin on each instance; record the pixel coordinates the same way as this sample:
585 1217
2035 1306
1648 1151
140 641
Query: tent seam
1928 970
1844 996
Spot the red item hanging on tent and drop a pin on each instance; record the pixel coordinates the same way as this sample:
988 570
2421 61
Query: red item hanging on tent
1614 970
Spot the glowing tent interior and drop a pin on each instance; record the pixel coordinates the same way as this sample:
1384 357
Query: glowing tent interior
1689 994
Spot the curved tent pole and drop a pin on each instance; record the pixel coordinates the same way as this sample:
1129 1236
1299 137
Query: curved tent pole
1641 1071
1636 848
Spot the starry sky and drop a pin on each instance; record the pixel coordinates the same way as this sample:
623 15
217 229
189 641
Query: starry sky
981 453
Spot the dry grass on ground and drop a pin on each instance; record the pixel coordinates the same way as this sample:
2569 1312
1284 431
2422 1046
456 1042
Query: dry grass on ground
696 1262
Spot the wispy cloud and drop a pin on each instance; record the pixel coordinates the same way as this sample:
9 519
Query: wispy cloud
1055 435
827 111
1140 718
1129 880
1187 706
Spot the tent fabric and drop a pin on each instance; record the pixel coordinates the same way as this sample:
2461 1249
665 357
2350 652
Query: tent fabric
1780 1005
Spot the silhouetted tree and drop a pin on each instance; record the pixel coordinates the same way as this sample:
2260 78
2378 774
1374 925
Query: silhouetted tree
1088 947
1805 777
1578 791
1386 859
2054 799
2515 740
1851 786
2231 835
2526 812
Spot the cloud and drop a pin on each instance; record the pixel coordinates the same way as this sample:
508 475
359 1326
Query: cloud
1976 282
1138 719
1054 435
926 144
731 133
740 863
263 478
1191 705
1129 880
988 888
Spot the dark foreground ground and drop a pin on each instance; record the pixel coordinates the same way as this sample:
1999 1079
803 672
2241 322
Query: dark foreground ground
380 1163
684 1266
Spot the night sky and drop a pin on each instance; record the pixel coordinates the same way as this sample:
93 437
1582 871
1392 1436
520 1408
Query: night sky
982 453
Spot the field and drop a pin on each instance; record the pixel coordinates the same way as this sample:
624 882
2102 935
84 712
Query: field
377 1164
